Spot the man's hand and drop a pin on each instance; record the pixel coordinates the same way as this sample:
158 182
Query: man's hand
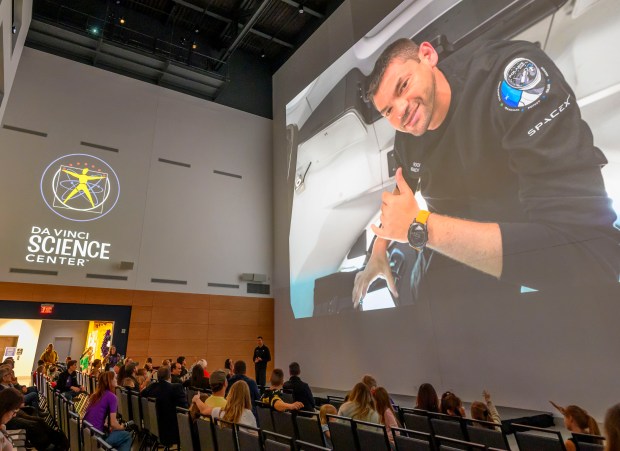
297 405
378 266
398 211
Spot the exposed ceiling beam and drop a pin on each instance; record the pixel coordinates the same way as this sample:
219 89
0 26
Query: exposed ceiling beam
306 9
245 30
228 21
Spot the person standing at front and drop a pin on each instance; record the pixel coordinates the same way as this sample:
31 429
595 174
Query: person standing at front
262 355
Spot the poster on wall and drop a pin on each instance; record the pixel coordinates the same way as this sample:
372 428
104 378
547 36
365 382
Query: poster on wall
549 188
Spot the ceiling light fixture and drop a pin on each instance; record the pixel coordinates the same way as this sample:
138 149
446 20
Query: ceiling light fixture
122 21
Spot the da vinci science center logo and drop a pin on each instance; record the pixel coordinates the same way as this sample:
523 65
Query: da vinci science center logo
80 187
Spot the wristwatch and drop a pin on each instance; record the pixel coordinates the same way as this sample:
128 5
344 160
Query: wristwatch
418 232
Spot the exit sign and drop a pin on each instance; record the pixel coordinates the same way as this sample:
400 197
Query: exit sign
47 309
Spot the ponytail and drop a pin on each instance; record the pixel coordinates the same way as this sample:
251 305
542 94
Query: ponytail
593 426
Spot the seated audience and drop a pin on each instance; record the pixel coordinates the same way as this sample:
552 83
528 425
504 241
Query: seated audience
273 395
96 367
197 379
427 398
181 361
301 390
67 383
168 397
327 409
203 364
129 377
370 382
143 379
53 372
238 406
452 405
578 420
359 405
103 406
165 362
175 373
112 359
7 380
40 367
10 402
384 408
218 384
228 367
612 428
240 370
485 411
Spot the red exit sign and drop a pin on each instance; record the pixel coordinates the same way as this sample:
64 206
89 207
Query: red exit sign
47 309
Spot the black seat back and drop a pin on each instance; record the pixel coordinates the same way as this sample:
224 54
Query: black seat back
225 434
493 438
530 438
371 436
278 442
283 423
249 438
408 440
265 420
342 433
185 429
309 428
206 434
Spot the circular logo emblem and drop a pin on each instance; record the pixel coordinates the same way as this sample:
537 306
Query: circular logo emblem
523 86
80 187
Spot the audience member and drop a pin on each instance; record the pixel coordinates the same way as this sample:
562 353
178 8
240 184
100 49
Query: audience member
7 380
452 405
228 367
360 405
427 398
577 420
612 428
370 382
40 367
168 397
128 378
384 408
198 379
95 369
238 406
67 383
203 364
327 409
103 406
165 362
301 390
112 358
10 401
53 373
273 395
240 370
175 372
49 356
485 412
261 356
218 383
182 361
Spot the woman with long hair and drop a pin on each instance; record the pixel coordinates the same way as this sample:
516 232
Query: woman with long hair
452 405
427 398
578 420
360 405
384 408
238 406
612 428
95 369
197 379
10 402
103 403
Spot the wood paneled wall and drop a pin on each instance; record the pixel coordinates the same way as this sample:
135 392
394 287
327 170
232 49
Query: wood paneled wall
165 325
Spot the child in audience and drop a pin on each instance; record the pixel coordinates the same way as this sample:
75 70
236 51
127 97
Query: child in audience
360 405
485 412
577 420
427 398
452 405
326 409
238 406
612 428
384 408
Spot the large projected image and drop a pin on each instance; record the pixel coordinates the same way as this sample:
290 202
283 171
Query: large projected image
521 199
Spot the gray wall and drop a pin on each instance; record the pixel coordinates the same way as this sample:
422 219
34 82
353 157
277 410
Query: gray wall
523 351
174 222
57 328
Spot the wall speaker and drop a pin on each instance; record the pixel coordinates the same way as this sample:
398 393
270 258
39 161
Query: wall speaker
127 266
251 277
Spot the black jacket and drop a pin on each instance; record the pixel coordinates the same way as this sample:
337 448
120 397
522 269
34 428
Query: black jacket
63 384
168 397
301 392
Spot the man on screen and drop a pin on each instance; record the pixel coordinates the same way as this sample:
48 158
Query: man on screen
494 139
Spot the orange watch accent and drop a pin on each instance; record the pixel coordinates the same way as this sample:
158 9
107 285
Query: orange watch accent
422 216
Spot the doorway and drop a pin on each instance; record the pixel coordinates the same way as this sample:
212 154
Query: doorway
62 346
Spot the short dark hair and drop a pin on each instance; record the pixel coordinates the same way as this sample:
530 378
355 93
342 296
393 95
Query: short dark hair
240 367
40 362
163 373
181 359
403 49
259 337
71 363
277 377
294 369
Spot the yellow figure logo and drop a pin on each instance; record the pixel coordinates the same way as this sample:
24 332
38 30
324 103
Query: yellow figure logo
82 185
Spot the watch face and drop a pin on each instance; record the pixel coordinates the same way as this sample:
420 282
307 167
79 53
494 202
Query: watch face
418 235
